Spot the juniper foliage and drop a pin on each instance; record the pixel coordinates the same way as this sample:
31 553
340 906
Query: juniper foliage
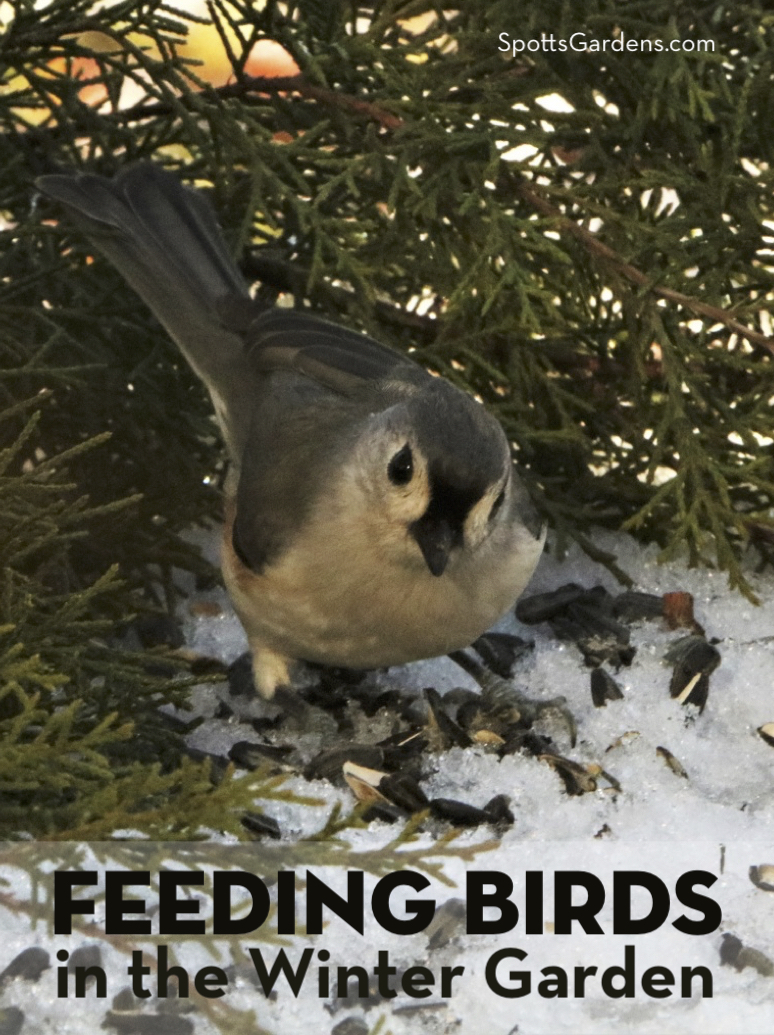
598 271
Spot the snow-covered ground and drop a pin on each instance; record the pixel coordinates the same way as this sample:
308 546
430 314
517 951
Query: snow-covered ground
718 817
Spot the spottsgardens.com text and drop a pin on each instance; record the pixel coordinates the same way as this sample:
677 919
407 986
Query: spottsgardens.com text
582 42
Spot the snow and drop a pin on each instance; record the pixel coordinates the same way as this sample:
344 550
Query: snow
719 819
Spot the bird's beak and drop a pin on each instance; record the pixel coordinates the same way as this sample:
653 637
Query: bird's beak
436 538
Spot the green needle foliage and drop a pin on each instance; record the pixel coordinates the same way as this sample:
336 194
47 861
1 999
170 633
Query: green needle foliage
84 749
581 237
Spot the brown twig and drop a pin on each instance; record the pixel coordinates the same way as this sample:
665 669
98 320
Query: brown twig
297 84
636 276
277 84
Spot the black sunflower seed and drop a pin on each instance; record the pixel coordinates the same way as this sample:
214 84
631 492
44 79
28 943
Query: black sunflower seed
29 965
542 606
634 607
327 765
604 688
458 813
694 661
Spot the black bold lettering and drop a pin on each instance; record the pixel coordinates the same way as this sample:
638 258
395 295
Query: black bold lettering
522 978
116 905
282 965
422 911
623 882
554 983
688 974
165 972
170 905
533 902
711 911
626 971
65 906
208 982
349 909
222 883
478 900
585 912
653 981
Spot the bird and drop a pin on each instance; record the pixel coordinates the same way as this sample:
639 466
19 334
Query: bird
373 512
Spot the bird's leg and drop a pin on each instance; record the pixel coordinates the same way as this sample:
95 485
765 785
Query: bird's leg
270 669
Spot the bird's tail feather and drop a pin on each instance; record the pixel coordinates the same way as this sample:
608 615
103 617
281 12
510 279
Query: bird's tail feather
165 240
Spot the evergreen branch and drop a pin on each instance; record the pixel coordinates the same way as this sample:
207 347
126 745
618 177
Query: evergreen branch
268 85
288 276
636 276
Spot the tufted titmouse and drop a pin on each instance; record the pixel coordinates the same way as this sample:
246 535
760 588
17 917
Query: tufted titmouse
373 514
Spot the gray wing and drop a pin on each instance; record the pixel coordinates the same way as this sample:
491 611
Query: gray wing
165 240
346 362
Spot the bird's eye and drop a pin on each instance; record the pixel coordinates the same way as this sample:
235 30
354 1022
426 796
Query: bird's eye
497 504
401 468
